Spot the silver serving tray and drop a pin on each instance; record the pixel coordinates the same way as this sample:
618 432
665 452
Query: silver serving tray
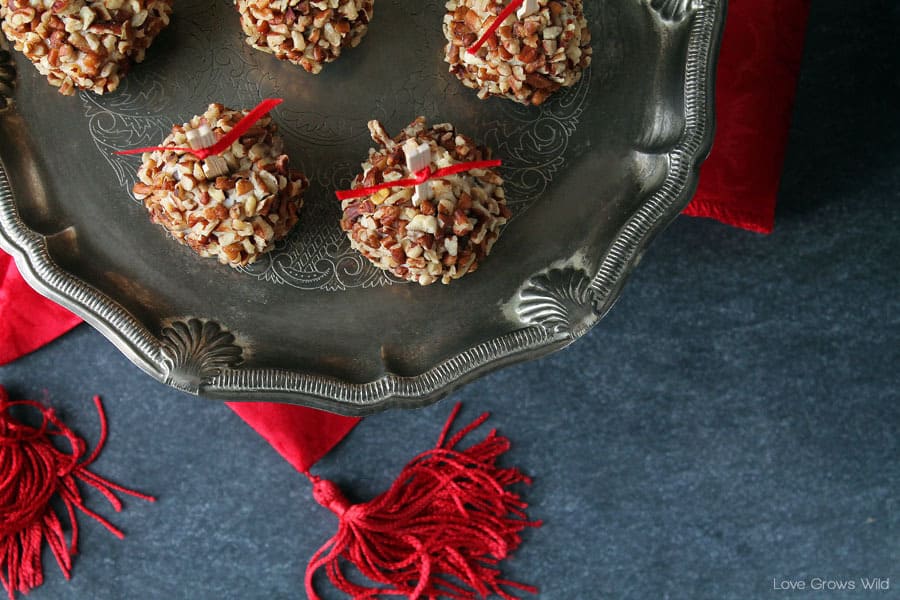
591 176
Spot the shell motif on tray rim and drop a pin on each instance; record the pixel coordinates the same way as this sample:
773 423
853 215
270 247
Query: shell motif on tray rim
195 351
673 10
561 301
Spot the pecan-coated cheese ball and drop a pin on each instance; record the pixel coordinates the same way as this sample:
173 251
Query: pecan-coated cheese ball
525 60
233 206
436 239
308 33
84 44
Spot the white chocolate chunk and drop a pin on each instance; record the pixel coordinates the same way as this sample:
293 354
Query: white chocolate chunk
528 8
202 137
192 136
418 156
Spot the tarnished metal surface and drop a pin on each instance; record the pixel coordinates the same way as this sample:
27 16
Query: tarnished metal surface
591 176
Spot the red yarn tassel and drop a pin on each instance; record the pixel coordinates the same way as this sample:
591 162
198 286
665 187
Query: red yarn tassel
32 470
440 531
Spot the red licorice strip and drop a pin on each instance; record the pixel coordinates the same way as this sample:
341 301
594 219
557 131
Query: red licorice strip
226 141
421 177
501 18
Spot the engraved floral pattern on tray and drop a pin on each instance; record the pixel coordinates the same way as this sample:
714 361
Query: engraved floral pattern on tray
317 255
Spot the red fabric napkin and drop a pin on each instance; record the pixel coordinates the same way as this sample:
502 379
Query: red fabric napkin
301 435
756 82
27 319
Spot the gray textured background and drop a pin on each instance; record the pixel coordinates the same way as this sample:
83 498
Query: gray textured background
733 420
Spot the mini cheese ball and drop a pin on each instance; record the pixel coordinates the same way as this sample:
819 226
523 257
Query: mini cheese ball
440 239
305 32
84 44
524 60
233 206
